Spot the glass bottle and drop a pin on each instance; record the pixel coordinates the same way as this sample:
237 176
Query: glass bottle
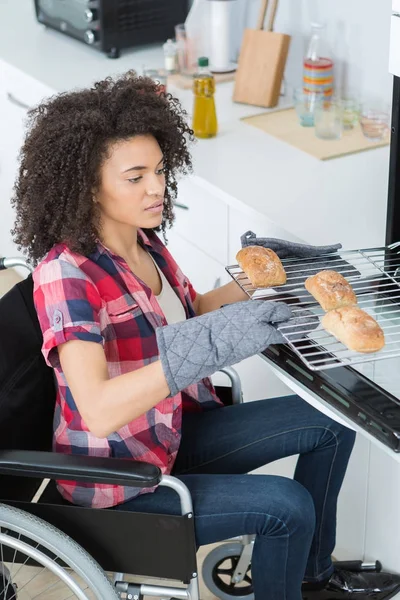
318 64
170 56
204 114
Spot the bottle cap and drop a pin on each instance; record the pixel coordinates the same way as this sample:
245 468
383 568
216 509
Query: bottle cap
203 61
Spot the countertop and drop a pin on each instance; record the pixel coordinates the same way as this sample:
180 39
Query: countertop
342 199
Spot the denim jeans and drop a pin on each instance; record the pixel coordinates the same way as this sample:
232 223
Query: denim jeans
294 520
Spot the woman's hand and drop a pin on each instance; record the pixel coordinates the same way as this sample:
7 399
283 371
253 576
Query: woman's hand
196 348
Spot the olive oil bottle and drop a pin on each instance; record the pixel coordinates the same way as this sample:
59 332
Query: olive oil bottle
204 114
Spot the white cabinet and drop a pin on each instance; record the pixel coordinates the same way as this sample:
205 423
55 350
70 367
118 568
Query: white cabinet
204 272
17 92
205 223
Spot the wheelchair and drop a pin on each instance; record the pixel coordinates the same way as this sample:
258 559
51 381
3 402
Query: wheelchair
76 545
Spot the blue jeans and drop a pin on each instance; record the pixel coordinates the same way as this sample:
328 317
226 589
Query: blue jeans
294 520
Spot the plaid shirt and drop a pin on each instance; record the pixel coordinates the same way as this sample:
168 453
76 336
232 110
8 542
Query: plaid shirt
98 299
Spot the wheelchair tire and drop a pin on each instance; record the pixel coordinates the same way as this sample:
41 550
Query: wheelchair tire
47 546
213 573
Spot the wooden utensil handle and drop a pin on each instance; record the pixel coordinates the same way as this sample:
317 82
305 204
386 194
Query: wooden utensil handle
263 12
272 15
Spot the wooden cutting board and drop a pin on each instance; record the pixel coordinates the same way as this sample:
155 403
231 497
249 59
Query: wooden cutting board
284 125
262 62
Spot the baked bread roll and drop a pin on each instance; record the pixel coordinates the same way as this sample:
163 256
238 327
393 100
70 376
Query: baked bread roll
262 266
354 328
331 290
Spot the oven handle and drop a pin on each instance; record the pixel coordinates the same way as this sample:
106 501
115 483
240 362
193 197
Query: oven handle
394 246
17 102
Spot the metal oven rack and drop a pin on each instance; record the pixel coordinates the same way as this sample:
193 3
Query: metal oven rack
374 274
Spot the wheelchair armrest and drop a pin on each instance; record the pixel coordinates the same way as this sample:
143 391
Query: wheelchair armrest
91 469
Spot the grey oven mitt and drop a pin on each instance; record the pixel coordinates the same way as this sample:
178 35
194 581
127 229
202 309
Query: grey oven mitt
297 274
285 249
197 348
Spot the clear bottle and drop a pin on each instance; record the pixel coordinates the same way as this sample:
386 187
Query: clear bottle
318 64
205 123
170 56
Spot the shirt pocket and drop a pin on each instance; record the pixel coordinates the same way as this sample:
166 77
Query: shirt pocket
120 311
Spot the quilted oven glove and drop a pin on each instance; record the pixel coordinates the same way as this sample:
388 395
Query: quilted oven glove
197 348
285 249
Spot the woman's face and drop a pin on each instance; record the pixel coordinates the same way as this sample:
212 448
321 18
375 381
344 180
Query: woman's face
132 183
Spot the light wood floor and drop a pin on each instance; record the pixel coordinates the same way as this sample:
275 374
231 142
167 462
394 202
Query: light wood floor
34 584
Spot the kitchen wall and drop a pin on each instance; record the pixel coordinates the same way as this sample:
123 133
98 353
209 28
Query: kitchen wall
358 32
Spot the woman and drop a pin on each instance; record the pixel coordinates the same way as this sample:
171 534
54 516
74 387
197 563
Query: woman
132 343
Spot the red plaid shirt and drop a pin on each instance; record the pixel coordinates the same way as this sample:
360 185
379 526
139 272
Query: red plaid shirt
98 299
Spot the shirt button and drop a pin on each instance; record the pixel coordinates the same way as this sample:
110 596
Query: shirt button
57 319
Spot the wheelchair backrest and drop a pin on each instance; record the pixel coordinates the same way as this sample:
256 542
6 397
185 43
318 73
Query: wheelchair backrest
27 389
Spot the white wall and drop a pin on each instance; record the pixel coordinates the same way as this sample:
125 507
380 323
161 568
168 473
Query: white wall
358 32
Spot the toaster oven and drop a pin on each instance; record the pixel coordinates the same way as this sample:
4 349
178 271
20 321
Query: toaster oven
110 25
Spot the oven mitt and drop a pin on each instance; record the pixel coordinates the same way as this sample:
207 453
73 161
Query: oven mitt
300 325
193 349
285 249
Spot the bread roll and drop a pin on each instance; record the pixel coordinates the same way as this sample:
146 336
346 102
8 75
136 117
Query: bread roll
262 266
331 290
354 328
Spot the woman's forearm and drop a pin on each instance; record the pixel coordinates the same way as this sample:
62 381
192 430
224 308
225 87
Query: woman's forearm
127 397
107 404
227 294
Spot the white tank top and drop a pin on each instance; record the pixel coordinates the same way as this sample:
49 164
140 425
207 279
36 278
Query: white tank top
169 302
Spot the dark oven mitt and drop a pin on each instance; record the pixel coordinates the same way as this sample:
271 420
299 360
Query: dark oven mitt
197 348
298 272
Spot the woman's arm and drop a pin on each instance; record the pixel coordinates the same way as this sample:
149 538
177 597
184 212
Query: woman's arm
107 404
227 294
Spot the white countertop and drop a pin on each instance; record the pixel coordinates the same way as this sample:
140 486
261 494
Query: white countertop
342 199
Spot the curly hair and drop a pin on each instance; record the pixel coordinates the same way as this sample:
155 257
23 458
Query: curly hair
67 141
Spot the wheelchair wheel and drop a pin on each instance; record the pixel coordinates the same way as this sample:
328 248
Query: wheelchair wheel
39 561
218 568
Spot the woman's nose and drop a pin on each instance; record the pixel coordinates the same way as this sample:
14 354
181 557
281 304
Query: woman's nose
155 187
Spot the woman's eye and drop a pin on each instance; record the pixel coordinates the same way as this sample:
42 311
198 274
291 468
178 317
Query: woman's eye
161 171
135 179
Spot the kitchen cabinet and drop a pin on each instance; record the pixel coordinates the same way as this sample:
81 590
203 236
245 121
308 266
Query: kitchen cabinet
204 272
205 223
18 92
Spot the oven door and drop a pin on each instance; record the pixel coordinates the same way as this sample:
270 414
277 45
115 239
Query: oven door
367 395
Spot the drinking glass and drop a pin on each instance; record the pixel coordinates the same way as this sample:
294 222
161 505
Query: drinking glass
305 105
181 43
159 76
328 120
374 123
350 112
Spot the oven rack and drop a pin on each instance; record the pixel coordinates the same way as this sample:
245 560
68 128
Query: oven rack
374 274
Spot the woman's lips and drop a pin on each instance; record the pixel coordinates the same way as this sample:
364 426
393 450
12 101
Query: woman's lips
156 208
